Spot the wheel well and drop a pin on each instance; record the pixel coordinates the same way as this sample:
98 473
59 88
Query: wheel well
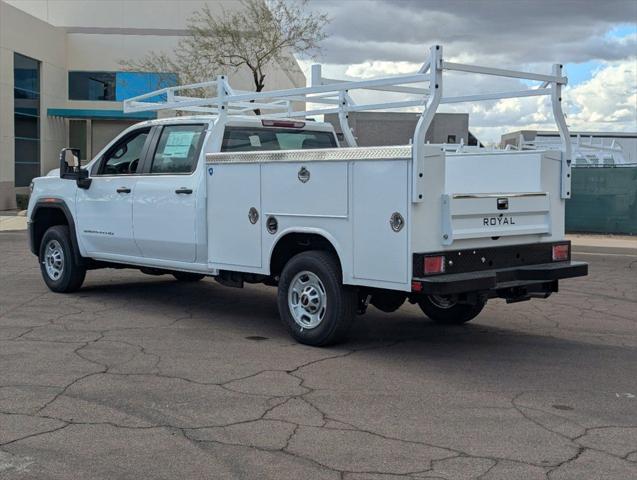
295 243
43 219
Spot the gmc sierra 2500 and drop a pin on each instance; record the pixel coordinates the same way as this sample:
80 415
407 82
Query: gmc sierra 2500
273 198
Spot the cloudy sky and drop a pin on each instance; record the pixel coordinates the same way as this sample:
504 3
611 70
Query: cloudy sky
595 40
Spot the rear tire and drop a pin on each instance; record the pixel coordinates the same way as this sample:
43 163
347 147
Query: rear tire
446 312
314 305
187 276
58 264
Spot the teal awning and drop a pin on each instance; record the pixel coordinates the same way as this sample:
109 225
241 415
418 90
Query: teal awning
99 114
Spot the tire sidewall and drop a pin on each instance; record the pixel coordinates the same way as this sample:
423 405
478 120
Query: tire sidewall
323 266
61 235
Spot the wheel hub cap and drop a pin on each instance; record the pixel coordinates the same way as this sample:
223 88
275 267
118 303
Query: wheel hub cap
54 260
307 300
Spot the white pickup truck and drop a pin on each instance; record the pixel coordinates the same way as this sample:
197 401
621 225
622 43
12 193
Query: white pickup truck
273 198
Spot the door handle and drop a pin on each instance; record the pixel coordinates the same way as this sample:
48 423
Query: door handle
123 190
187 191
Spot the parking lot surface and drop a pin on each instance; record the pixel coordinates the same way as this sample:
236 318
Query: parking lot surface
140 377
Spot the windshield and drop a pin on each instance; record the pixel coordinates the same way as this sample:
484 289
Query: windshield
248 139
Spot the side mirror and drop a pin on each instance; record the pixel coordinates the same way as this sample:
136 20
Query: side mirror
70 167
69 162
72 157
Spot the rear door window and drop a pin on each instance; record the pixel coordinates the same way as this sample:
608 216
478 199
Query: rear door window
244 139
178 149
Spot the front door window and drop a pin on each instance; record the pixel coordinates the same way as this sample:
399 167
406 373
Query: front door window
124 157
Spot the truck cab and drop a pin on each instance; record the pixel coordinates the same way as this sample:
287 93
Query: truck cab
145 200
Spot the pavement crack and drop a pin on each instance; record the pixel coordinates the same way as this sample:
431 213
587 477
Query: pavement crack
580 451
38 434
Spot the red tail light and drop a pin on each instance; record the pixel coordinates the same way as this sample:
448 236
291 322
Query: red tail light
561 252
434 264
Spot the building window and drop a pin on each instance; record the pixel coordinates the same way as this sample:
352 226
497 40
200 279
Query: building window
451 139
78 134
116 86
92 86
131 84
26 116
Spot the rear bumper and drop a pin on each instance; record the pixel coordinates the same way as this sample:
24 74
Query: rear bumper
497 279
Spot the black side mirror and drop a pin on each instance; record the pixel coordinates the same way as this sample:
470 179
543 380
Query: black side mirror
70 167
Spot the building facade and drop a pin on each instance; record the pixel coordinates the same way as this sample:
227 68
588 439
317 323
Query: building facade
61 82
397 128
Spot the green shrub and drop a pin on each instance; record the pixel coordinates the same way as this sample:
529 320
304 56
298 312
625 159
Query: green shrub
22 199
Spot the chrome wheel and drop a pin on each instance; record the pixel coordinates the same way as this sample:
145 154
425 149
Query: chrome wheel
307 300
54 260
441 301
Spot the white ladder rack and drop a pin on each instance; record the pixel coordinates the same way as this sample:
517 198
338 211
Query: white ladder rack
424 87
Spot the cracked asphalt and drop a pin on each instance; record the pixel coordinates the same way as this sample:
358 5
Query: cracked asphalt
143 377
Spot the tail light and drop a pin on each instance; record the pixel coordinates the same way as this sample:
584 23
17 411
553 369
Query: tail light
434 264
282 123
561 252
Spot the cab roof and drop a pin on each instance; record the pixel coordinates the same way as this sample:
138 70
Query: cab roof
244 121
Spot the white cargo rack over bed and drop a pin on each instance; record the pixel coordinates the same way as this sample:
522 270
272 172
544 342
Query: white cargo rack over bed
425 88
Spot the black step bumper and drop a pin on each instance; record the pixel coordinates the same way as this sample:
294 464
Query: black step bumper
497 279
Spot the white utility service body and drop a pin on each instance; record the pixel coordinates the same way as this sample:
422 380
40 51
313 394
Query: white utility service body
352 193
273 198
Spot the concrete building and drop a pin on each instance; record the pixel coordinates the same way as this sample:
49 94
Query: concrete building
61 83
397 128
609 148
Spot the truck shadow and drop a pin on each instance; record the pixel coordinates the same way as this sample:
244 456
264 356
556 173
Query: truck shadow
253 310
402 353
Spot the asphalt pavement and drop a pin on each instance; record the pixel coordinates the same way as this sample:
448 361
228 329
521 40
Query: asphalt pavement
141 377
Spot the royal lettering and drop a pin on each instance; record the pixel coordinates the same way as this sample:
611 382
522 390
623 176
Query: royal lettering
497 221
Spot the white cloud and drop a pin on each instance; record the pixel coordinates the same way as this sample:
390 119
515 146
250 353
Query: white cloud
380 68
370 38
607 101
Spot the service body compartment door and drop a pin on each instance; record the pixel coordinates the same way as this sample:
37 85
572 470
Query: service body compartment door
308 190
234 241
379 191
494 215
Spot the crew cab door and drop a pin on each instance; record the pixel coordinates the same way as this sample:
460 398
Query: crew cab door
105 210
166 206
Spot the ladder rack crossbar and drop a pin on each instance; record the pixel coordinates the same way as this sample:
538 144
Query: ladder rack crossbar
500 72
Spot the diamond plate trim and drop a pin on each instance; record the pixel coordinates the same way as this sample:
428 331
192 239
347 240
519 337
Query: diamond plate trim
402 152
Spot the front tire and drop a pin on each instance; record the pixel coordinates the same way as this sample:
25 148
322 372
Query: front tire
444 311
58 264
314 305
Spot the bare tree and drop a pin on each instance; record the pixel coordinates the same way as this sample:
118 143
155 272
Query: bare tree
255 36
